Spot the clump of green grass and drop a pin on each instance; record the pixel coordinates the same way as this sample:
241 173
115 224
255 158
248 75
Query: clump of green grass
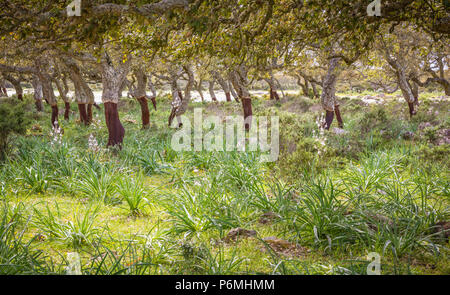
131 190
18 256
76 232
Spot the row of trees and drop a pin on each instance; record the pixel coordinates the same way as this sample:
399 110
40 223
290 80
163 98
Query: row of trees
140 45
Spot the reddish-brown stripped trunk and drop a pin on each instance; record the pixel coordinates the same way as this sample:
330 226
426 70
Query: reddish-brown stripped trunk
228 96
248 112
275 95
329 116
153 99
144 112
83 113
338 116
55 116
66 110
38 104
115 128
89 113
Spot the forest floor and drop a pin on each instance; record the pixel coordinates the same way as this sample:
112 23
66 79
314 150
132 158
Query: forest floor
380 185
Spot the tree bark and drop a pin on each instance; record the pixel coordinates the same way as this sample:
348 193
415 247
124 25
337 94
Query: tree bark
232 90
55 116
145 113
198 88
83 93
273 88
89 113
240 83
66 110
112 78
223 84
338 116
248 112
329 92
153 90
116 132
37 93
38 104
83 114
211 91
16 84
315 92
403 82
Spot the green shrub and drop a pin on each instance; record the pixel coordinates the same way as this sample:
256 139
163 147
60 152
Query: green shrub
13 119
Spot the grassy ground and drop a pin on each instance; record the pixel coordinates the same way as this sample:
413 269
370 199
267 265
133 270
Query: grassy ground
381 185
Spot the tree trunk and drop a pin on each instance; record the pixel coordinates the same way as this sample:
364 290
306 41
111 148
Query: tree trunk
116 132
211 91
153 90
112 78
37 93
402 81
139 93
248 112
16 84
329 92
63 90
240 83
338 116
83 93
223 84
38 104
55 116
145 113
83 114
66 110
304 86
179 103
275 94
228 96
315 92
233 92
3 91
89 113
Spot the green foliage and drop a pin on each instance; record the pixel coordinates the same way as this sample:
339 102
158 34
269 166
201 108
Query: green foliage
131 190
13 120
18 257
76 232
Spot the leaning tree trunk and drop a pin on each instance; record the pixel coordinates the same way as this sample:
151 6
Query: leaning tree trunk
153 91
63 90
328 98
403 83
273 88
233 92
3 91
83 93
38 94
180 104
223 84
47 90
16 84
304 86
240 83
113 78
139 93
315 91
211 91
198 88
